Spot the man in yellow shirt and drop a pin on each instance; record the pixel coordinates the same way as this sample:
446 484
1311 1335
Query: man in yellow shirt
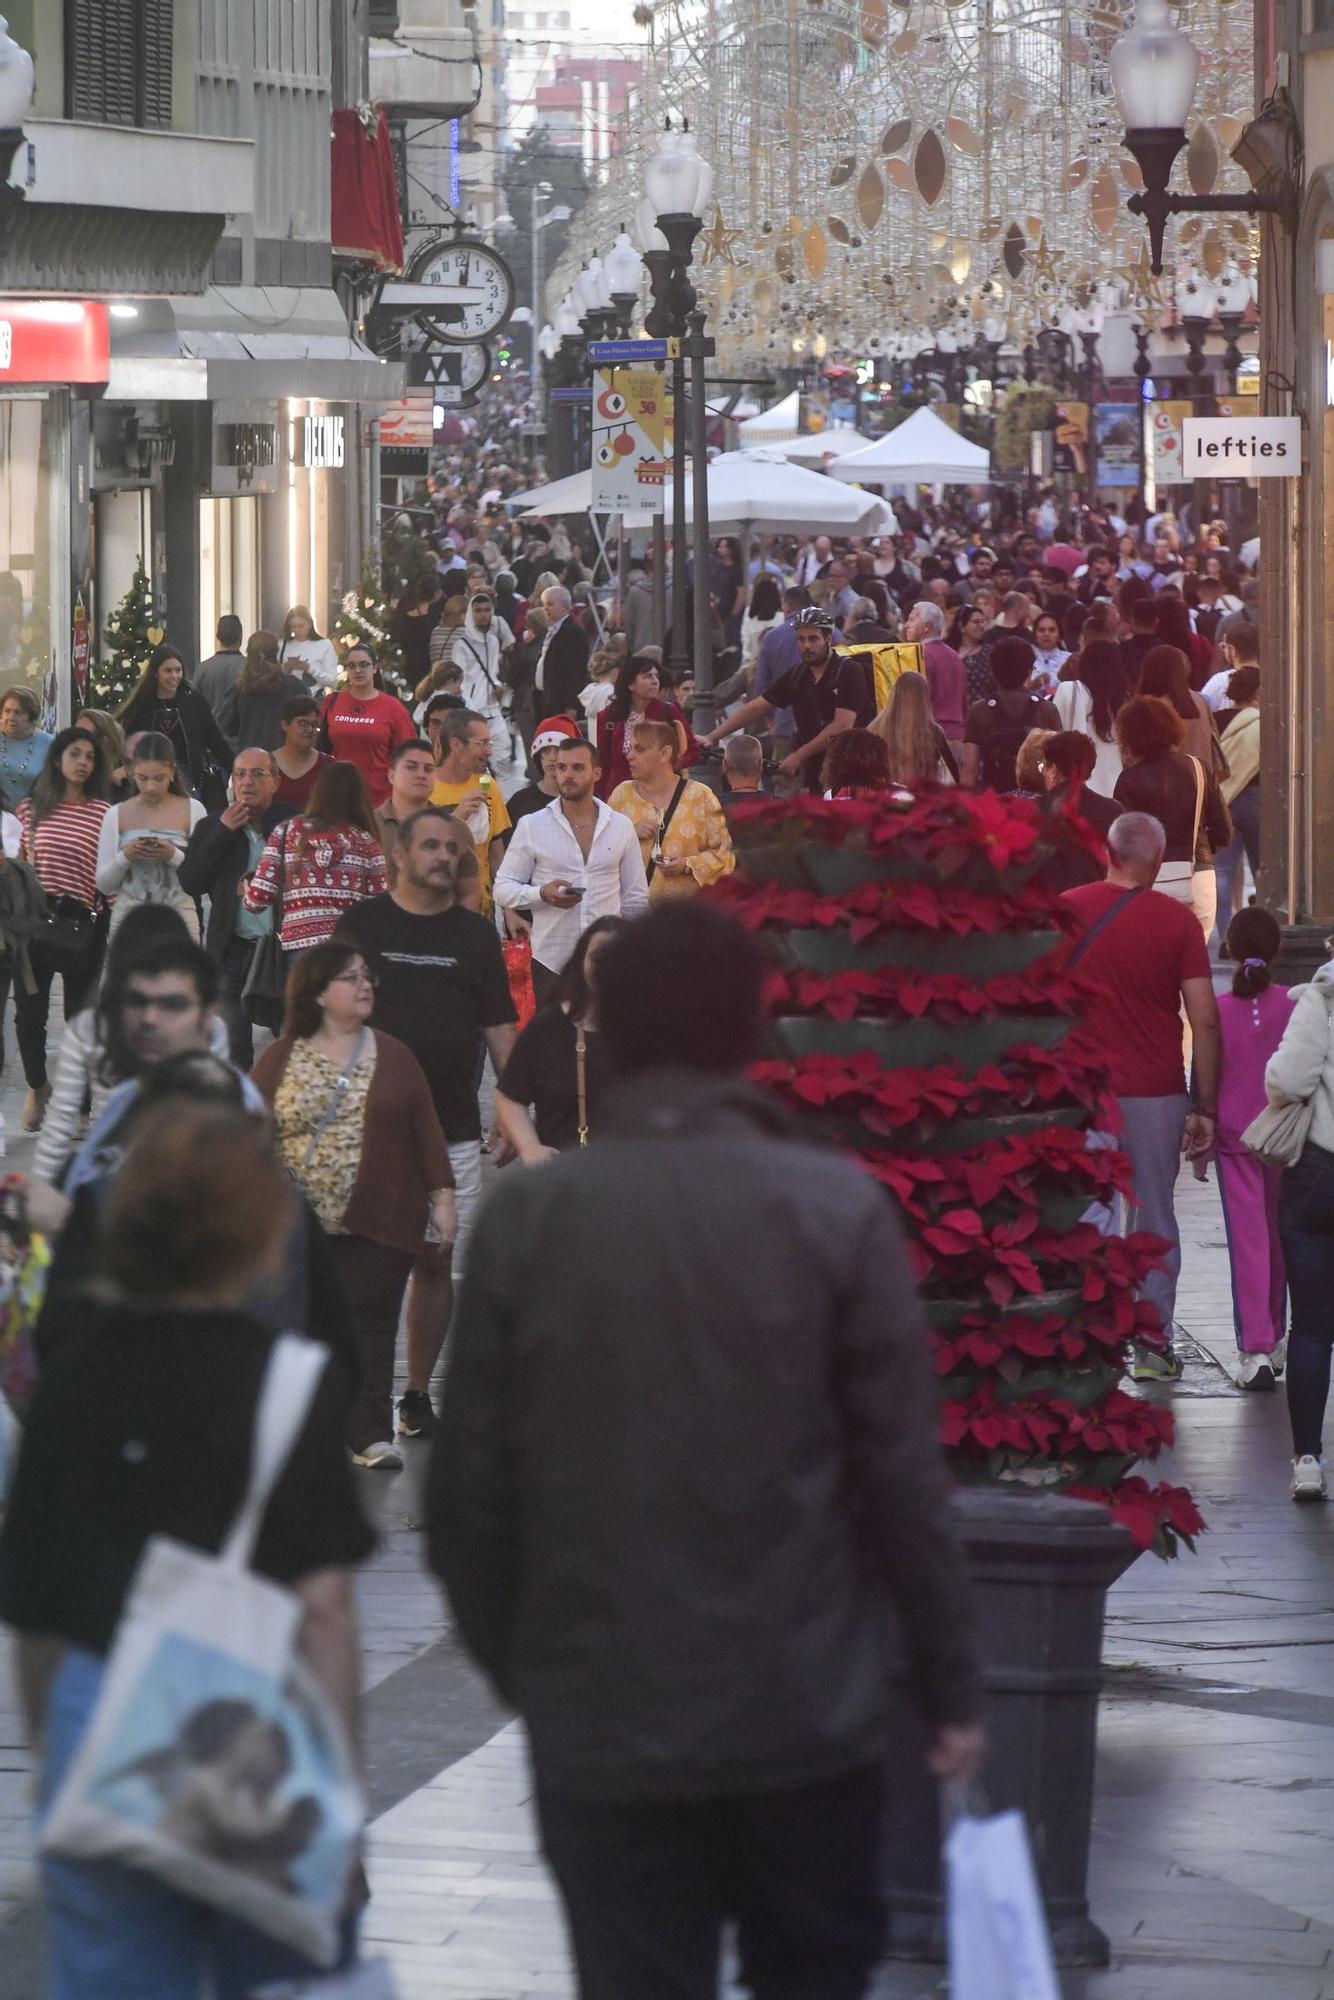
464 784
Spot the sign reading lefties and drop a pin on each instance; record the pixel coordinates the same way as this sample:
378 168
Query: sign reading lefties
1242 447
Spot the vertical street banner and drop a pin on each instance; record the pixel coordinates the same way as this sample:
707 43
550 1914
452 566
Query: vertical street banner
1116 437
632 440
1072 439
1165 431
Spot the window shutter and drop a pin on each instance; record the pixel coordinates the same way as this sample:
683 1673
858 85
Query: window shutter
118 61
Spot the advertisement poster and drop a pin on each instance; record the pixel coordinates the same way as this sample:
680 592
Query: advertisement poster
1072 439
1116 440
1166 420
631 440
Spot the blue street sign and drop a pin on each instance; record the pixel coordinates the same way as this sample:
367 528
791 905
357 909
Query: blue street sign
571 395
624 353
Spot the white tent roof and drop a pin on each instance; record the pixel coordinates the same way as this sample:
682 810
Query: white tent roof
818 447
923 451
561 496
762 492
770 425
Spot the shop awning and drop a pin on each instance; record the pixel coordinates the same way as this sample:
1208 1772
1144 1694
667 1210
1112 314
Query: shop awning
366 224
254 342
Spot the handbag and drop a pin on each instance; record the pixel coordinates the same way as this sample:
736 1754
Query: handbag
65 940
996 1929
1174 876
213 1760
1278 1134
264 993
518 952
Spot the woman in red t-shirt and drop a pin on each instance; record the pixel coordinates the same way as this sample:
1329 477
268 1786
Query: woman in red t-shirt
362 725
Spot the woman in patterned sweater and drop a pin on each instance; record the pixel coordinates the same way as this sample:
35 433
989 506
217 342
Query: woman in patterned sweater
318 864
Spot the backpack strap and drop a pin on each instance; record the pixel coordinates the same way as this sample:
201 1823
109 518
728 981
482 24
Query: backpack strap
1095 930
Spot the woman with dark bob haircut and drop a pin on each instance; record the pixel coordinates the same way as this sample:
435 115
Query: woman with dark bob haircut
357 1128
1180 791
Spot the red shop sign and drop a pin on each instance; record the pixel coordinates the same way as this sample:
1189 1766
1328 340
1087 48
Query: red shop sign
54 340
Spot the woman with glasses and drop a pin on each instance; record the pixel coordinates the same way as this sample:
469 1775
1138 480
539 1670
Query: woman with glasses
359 1133
298 760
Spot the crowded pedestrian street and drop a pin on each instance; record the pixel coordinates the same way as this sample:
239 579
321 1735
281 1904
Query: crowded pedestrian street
666 1000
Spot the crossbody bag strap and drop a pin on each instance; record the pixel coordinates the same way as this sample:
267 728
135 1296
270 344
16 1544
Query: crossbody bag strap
1094 931
664 824
336 1096
581 1078
294 1369
1199 809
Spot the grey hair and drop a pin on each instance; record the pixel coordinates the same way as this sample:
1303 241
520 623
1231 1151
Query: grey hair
862 608
932 613
744 754
1137 840
560 593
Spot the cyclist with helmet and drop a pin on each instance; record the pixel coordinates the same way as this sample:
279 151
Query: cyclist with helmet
826 694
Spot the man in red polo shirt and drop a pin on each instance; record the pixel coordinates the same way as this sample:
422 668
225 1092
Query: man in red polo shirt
1144 957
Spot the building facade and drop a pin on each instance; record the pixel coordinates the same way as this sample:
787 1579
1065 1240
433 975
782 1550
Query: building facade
180 196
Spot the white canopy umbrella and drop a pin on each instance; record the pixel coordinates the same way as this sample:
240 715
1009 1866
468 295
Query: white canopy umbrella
773 424
923 451
561 496
818 448
760 492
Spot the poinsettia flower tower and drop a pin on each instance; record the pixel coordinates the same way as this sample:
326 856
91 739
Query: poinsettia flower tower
921 1017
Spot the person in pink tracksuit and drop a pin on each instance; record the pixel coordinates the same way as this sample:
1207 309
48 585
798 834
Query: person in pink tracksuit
1253 1017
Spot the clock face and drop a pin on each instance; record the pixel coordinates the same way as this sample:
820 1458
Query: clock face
476 290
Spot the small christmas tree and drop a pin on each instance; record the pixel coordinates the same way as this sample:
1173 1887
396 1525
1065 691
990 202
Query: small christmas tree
128 638
363 619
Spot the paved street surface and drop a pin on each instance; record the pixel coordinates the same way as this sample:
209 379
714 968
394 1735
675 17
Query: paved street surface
1214 1847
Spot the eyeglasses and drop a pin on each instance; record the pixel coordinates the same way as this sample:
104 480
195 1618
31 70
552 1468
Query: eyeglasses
353 977
135 1002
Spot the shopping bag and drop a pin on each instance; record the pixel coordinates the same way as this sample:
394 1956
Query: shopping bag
212 1759
519 966
1279 1133
997 1933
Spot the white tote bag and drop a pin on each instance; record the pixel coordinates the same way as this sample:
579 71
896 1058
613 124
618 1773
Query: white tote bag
997 1933
213 1760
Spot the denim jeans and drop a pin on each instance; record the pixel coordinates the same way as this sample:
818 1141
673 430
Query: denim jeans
233 971
1306 1229
118 1934
1245 840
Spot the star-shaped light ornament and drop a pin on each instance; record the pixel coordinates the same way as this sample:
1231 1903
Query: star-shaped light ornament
718 241
1045 262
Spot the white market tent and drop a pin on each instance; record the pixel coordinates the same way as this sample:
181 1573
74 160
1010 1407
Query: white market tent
562 496
923 451
818 448
761 493
773 425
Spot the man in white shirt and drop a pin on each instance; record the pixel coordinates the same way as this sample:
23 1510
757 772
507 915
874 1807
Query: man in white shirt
1240 648
813 560
569 864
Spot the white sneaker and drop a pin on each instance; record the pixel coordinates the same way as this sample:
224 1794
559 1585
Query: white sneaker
1308 1478
382 1457
1255 1371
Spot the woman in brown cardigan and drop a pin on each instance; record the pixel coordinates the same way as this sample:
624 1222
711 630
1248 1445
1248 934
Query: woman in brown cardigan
358 1132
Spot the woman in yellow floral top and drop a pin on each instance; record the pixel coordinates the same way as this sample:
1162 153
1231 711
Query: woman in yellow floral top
682 833
358 1131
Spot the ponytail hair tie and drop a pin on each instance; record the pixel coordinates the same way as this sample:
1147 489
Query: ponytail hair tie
1255 964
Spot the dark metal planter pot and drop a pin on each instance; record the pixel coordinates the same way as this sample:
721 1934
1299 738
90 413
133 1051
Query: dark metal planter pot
1041 1568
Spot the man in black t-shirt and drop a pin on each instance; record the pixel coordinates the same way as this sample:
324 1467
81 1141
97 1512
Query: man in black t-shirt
442 987
995 729
826 695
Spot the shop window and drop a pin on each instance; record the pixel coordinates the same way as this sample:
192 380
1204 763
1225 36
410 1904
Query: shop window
118 61
25 545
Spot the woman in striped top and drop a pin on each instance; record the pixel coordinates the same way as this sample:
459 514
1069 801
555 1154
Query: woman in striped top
319 863
61 823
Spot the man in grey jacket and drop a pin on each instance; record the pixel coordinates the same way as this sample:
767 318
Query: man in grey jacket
218 674
685 1475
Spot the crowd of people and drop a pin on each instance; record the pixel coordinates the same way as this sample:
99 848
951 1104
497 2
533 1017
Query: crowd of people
297 912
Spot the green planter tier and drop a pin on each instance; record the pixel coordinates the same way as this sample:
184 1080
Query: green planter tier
919 1044
978 956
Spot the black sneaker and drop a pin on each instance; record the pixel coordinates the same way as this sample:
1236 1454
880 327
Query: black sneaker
416 1418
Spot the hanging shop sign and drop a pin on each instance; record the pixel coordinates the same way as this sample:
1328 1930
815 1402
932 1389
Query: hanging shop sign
54 340
1242 447
321 442
631 440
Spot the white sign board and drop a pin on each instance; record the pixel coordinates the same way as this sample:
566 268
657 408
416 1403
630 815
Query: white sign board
1241 447
632 415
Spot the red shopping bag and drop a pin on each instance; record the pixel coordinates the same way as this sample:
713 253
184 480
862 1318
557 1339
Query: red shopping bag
519 965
